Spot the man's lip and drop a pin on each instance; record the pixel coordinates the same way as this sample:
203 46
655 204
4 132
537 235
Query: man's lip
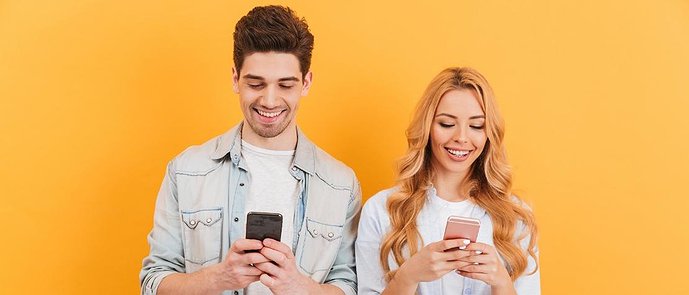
268 120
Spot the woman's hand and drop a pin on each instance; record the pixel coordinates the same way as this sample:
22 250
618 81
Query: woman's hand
433 261
482 263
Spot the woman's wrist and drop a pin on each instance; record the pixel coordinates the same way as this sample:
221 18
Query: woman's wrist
403 279
503 286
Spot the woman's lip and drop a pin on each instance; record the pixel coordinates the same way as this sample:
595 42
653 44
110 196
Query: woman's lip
458 158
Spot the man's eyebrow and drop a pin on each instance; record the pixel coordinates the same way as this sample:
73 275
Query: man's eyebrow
253 77
285 79
295 79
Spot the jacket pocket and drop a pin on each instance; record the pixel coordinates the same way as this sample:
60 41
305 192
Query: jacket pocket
202 230
321 244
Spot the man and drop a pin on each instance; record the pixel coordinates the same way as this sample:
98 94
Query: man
263 164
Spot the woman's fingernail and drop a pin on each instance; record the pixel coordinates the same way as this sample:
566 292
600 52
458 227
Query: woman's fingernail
462 247
478 252
466 242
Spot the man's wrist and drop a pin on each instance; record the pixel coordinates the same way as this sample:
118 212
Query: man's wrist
213 277
313 287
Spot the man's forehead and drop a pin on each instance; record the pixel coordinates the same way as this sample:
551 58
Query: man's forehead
271 66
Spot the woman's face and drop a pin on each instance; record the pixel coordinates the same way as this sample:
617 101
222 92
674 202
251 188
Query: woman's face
458 133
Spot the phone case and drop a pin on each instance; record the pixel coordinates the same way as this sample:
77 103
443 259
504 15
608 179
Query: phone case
458 227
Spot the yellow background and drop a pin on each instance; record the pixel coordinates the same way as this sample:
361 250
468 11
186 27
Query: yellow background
97 96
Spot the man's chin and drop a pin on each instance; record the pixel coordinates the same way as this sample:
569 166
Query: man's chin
268 132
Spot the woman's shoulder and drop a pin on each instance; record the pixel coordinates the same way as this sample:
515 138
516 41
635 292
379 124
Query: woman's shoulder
376 205
377 202
375 220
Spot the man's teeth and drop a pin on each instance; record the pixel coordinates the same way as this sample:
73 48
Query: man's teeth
269 115
458 153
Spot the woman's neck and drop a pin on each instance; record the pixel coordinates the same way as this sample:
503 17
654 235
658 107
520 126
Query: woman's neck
453 187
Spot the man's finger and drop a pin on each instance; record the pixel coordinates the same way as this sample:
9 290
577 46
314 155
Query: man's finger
269 268
278 246
267 280
242 245
274 255
253 258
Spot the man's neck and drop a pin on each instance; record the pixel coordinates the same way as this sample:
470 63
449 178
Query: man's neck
285 141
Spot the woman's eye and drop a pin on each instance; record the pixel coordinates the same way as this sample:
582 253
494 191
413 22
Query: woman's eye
446 125
477 126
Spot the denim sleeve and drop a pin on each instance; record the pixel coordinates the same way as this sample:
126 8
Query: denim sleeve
165 239
343 272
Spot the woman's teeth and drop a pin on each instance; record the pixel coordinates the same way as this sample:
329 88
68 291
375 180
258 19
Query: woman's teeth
458 153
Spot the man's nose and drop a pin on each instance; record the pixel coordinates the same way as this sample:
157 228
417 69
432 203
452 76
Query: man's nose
271 98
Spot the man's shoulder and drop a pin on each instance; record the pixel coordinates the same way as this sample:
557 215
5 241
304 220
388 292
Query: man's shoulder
197 159
333 170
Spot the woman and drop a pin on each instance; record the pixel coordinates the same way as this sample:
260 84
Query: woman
455 166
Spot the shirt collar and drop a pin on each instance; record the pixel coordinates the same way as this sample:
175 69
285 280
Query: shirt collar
230 144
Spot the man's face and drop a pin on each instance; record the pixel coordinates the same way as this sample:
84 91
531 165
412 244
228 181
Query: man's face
270 85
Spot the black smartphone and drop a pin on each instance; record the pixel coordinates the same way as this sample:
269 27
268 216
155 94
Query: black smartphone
262 225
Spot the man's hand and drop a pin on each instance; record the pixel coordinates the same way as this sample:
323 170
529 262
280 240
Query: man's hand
238 271
235 272
281 275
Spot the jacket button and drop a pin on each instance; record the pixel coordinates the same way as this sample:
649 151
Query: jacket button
330 235
294 168
192 222
236 292
236 219
209 220
315 232
241 184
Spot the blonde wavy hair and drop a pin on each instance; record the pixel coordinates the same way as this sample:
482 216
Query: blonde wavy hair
490 179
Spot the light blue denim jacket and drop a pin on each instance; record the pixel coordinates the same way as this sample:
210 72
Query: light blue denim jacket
200 212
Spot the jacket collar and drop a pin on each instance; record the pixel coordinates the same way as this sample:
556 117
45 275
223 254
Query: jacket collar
230 143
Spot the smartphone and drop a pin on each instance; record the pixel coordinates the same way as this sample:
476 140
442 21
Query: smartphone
262 225
458 227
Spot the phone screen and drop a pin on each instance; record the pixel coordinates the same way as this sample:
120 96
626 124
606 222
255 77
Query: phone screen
262 225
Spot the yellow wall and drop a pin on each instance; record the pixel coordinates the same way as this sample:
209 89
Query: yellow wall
97 96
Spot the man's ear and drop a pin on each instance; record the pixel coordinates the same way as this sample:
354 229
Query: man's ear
308 79
235 80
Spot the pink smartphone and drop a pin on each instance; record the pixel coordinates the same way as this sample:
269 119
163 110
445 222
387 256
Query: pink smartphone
462 228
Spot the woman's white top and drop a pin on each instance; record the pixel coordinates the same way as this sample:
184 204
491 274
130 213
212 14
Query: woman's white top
375 224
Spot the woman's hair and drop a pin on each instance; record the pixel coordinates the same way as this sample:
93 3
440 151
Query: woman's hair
489 176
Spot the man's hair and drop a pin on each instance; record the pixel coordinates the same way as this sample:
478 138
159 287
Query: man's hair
273 28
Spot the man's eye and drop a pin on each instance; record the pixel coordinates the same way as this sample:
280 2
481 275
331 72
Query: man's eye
283 86
255 86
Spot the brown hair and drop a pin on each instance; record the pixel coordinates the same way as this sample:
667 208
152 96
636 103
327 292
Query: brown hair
490 176
273 28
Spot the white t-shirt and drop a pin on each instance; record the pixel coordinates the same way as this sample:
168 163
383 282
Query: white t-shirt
432 220
272 188
431 225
